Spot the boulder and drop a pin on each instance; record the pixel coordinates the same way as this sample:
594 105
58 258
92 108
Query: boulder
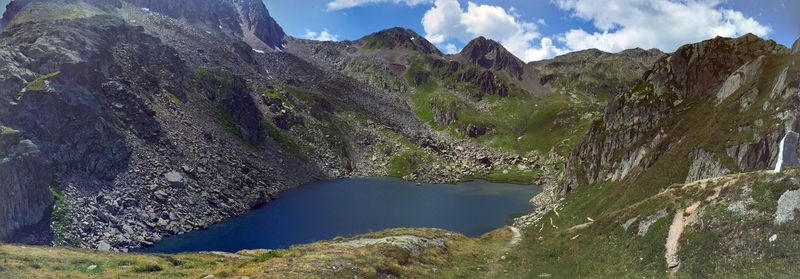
787 155
175 178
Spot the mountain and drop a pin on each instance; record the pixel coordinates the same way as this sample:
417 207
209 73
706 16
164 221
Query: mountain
124 122
181 107
398 38
741 81
489 54
595 72
169 117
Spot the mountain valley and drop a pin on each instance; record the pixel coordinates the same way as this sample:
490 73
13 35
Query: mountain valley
124 122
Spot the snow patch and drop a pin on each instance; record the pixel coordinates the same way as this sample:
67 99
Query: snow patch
259 51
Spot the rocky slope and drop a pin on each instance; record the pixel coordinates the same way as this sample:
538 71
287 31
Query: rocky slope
722 104
154 118
595 72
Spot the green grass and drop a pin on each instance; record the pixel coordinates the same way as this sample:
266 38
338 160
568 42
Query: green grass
174 99
6 130
406 162
147 268
513 175
287 142
39 84
61 220
271 254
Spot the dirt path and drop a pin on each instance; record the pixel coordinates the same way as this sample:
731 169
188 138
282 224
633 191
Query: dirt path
514 239
682 218
494 263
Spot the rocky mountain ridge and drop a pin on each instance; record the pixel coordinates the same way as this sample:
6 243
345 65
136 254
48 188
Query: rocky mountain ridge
172 107
667 115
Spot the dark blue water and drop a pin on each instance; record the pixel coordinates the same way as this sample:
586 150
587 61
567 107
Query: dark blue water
326 209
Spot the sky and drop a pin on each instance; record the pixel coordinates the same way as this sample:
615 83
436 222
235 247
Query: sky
541 29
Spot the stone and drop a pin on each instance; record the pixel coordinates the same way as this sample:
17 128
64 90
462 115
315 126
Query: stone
91 267
773 238
175 178
704 165
787 155
210 276
787 204
743 75
644 225
103 246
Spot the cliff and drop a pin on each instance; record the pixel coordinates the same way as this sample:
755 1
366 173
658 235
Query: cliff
711 107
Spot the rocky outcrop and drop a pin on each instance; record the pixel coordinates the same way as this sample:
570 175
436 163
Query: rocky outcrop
704 165
796 47
486 81
637 128
25 178
248 20
744 75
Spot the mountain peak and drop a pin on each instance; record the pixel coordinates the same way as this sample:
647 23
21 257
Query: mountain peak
490 54
796 47
247 18
398 37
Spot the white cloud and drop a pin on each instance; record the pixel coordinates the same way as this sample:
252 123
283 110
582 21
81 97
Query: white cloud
451 49
663 24
346 4
447 20
321 36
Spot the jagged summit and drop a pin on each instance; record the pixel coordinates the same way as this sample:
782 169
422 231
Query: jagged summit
248 19
796 46
398 37
742 82
490 54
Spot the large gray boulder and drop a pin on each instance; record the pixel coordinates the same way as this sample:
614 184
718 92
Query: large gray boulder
787 154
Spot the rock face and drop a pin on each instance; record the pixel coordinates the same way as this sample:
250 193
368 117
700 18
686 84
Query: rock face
645 124
796 47
25 179
111 108
787 154
704 165
246 19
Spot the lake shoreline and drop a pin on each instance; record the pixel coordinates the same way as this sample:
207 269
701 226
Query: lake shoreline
430 204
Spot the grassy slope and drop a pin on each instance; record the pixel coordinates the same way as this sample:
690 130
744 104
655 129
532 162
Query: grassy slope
459 257
520 123
718 244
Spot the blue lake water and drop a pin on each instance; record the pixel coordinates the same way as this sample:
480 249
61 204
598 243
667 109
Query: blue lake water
326 209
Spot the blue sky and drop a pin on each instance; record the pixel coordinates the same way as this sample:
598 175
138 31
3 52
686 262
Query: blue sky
538 29
544 28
